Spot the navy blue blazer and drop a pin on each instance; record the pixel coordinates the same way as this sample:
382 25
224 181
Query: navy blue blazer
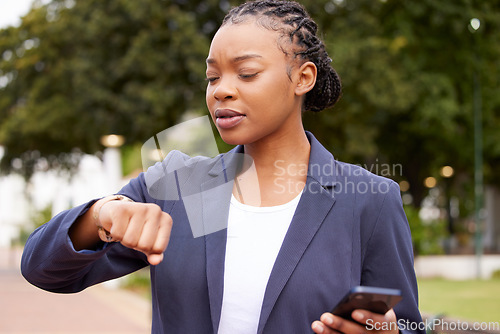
349 229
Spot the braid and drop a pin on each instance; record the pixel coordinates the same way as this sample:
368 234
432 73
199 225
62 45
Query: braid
293 21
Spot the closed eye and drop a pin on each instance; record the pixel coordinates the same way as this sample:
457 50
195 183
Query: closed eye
211 79
248 76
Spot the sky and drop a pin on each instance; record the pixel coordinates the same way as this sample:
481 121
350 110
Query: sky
12 10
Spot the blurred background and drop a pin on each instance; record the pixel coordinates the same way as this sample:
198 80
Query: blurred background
84 83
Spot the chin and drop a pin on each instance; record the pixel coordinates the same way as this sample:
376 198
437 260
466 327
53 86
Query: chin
234 138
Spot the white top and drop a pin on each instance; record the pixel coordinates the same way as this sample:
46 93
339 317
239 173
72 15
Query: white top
254 238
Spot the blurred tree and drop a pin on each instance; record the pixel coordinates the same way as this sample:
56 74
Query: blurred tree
407 69
77 70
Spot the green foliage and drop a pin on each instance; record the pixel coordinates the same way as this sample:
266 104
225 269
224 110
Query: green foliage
473 300
407 69
95 68
427 237
38 218
138 282
76 70
131 159
496 275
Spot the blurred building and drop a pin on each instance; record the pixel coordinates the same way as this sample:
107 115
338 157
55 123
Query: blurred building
21 202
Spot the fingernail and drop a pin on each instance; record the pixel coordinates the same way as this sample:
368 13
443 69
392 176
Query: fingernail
155 259
358 315
318 328
328 319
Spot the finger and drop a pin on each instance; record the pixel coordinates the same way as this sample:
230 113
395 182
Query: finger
391 315
340 324
119 221
115 217
362 316
155 259
132 233
149 220
155 235
148 236
155 255
163 234
320 328
374 321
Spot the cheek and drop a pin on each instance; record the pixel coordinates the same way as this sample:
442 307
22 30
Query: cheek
207 93
274 94
209 96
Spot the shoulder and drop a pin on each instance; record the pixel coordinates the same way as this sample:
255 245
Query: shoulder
177 161
346 178
163 179
347 173
367 191
376 200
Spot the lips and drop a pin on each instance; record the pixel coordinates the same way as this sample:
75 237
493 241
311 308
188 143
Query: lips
227 118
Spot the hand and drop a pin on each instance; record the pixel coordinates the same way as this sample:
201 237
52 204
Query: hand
366 322
140 226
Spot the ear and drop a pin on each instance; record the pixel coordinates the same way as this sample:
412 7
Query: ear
307 78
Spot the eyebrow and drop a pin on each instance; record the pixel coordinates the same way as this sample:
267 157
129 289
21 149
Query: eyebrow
236 59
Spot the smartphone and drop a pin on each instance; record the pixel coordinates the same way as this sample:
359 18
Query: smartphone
374 299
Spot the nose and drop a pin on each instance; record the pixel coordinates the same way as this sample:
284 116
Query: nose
224 90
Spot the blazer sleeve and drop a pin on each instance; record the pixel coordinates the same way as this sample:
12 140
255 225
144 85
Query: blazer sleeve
49 260
388 259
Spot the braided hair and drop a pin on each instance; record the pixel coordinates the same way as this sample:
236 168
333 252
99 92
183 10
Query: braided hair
292 20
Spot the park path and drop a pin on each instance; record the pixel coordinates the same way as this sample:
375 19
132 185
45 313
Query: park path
102 309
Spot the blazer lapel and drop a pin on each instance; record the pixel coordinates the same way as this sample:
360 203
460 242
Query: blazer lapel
316 201
215 201
215 250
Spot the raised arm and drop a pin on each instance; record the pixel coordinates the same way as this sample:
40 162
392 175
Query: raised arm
140 226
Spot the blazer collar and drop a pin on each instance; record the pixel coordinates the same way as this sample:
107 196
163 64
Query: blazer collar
227 162
315 203
321 166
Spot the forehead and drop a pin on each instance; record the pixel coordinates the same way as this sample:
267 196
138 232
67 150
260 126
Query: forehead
237 40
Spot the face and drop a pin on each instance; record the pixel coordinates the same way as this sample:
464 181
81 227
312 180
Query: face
250 95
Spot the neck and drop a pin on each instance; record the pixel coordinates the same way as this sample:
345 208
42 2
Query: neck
288 149
278 173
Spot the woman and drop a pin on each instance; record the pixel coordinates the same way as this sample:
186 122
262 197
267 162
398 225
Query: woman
299 228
